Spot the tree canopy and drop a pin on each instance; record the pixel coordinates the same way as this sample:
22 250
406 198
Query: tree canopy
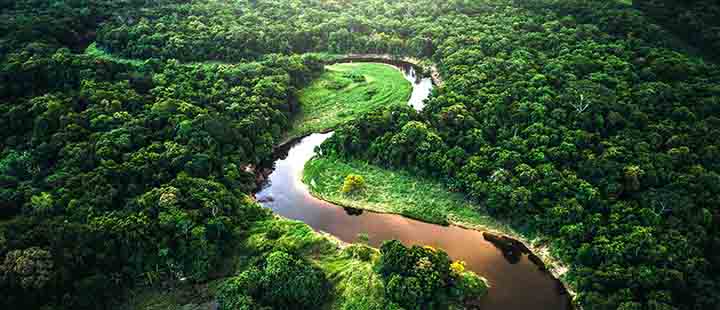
593 123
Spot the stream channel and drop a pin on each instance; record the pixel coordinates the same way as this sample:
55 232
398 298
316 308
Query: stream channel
516 282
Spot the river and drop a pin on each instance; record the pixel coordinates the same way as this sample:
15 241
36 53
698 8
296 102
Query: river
516 283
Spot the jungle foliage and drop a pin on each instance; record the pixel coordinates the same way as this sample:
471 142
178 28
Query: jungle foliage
586 121
282 282
113 173
579 120
425 277
695 20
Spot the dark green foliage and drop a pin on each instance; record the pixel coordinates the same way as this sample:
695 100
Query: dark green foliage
355 77
158 174
125 171
695 20
579 120
250 31
30 268
337 84
422 277
282 282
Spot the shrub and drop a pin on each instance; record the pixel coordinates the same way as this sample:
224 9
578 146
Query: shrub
360 251
31 268
283 282
293 283
353 184
336 84
42 204
424 276
274 233
470 285
355 77
406 291
457 267
236 292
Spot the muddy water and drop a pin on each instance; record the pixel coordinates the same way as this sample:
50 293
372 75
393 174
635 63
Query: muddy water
516 283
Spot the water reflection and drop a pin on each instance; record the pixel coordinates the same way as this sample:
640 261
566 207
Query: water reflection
422 86
353 211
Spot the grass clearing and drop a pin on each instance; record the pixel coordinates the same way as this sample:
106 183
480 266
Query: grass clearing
346 91
396 191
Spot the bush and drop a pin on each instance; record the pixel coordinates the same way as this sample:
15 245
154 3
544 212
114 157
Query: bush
355 77
293 283
360 251
31 268
274 233
353 184
425 276
42 204
469 285
283 282
336 84
236 292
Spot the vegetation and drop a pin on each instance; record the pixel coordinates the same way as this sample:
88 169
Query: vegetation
346 91
116 172
692 19
353 184
282 282
350 270
130 162
595 140
357 272
393 191
424 277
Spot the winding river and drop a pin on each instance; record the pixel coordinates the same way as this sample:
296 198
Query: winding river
516 283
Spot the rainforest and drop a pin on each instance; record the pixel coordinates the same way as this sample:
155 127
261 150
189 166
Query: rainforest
360 154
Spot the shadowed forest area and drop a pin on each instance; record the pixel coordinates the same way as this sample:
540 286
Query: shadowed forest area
693 20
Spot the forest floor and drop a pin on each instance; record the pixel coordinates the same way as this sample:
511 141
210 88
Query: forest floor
345 92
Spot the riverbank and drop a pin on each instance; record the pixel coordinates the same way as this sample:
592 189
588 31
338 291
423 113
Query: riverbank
398 192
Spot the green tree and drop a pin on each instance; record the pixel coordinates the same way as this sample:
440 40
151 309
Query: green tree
353 184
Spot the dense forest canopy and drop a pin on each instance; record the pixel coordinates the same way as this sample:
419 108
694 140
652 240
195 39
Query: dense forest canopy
592 122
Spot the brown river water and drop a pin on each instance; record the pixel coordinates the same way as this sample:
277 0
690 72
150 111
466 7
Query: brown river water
516 283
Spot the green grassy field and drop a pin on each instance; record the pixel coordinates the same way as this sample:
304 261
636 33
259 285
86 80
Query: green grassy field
346 91
396 191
